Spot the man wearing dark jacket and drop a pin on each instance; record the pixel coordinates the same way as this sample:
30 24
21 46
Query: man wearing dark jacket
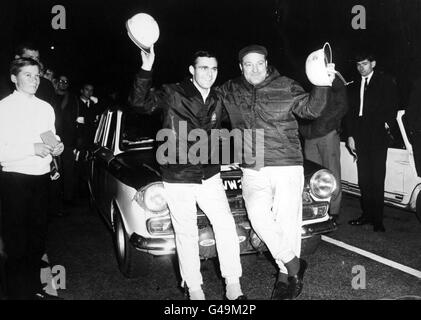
65 104
263 99
373 101
192 107
322 141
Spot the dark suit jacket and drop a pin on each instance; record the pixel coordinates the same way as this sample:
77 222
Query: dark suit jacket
380 106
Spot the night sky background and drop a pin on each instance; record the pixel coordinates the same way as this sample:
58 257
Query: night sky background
95 46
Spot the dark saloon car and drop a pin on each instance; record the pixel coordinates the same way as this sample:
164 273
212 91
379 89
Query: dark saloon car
126 188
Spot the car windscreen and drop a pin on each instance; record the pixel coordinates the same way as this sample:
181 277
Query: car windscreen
138 130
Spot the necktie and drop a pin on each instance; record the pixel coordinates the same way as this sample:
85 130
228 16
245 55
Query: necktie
363 91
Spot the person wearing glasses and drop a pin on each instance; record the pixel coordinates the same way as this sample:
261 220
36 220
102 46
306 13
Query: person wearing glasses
65 104
193 105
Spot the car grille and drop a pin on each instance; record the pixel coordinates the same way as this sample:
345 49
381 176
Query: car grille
311 209
239 218
237 209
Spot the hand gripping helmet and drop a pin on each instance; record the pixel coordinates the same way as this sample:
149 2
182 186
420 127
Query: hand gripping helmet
317 65
143 30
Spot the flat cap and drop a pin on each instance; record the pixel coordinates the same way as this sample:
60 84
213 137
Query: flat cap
252 48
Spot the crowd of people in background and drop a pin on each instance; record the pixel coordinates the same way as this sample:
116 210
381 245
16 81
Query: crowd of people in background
365 111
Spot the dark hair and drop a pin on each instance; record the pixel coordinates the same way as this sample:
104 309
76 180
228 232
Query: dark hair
17 65
84 84
200 54
360 56
20 49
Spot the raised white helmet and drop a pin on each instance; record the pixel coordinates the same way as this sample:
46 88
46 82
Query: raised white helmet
143 30
317 66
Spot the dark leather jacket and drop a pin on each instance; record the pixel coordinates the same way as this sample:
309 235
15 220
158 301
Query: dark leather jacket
273 106
182 105
332 115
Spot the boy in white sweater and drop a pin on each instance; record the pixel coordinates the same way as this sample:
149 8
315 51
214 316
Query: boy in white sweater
24 179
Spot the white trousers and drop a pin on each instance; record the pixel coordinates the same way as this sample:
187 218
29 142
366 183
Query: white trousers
273 198
211 198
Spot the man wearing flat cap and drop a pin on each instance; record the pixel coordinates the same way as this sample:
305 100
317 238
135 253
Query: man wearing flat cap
262 99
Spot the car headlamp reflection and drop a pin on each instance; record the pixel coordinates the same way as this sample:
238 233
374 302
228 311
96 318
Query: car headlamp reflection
322 184
152 197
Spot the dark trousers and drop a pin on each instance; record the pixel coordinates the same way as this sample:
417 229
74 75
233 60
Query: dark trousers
371 166
24 230
326 152
54 198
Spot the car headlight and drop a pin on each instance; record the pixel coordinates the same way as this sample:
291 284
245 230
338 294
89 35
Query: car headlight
322 184
152 197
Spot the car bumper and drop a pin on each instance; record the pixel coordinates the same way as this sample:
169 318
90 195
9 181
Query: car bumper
164 246
311 230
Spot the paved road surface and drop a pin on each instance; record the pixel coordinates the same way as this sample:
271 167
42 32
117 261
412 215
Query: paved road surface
82 244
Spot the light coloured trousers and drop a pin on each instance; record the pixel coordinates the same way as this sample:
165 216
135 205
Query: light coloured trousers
273 198
326 151
211 198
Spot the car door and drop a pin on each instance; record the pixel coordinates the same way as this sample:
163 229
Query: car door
107 154
410 178
102 157
93 165
396 166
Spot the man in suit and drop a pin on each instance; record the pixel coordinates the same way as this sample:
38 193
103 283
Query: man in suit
86 123
373 101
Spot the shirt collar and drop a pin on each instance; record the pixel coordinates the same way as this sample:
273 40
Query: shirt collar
368 77
85 100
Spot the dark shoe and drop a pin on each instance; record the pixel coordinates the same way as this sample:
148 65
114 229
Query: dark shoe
359 221
335 219
45 296
295 285
280 291
379 228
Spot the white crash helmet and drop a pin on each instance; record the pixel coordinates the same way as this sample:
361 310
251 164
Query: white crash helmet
143 30
316 66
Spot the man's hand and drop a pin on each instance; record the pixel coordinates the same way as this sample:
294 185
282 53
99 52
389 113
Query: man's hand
58 149
331 72
148 59
80 120
352 148
42 150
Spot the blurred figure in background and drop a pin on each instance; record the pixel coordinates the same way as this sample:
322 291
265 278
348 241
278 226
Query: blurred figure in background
322 141
66 112
87 115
